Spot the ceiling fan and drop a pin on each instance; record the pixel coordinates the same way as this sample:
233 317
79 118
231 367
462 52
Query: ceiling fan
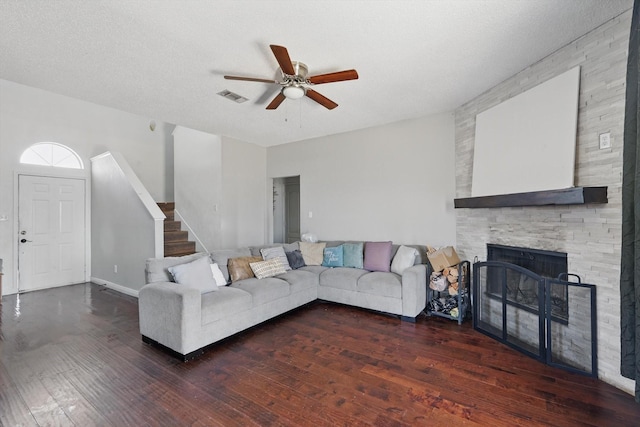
295 83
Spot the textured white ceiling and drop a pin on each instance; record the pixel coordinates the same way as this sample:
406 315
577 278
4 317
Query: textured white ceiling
164 59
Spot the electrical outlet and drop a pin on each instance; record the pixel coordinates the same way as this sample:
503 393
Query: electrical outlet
605 140
115 268
310 214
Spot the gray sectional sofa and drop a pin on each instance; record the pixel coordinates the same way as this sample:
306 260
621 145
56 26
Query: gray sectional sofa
185 321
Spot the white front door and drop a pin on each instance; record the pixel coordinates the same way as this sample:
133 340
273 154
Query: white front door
52 232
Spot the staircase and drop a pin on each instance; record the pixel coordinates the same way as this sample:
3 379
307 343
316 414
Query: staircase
176 241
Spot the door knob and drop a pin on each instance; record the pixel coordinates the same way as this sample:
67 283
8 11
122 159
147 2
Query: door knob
24 240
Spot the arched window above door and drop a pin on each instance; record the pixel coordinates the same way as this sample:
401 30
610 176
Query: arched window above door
51 154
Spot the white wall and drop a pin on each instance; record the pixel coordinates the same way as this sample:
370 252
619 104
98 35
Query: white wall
126 225
394 182
198 184
244 204
29 115
220 189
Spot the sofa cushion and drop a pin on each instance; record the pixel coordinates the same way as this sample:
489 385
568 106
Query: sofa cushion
353 254
316 269
276 252
295 259
157 268
341 278
300 280
240 269
270 268
195 274
381 283
226 302
333 256
377 256
313 253
222 256
404 258
263 290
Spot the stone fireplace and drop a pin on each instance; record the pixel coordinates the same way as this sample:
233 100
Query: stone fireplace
590 234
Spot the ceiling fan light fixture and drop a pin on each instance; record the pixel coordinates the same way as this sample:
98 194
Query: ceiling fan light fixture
293 92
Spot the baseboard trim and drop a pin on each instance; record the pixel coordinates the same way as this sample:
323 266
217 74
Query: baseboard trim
116 287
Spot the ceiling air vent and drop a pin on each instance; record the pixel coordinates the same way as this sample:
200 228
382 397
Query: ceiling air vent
232 96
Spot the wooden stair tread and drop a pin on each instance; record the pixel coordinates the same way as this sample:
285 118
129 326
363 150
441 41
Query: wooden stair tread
166 206
176 236
176 241
179 248
170 225
167 209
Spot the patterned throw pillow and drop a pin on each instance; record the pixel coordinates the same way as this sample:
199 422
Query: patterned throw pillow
270 268
239 268
276 253
333 257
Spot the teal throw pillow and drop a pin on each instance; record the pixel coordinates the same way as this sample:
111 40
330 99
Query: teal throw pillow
353 254
333 257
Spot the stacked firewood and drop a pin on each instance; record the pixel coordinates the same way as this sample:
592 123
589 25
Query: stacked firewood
445 279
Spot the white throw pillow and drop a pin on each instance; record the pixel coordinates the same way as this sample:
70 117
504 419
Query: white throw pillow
404 258
217 275
196 274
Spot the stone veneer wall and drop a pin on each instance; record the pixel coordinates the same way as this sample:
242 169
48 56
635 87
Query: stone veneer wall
589 234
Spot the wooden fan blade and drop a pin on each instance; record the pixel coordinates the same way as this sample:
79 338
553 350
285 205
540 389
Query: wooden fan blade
282 56
321 99
250 79
275 103
334 77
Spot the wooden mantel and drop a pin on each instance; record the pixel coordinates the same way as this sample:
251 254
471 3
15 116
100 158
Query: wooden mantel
567 196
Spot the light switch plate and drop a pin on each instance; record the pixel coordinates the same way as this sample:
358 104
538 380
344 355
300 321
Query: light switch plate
605 140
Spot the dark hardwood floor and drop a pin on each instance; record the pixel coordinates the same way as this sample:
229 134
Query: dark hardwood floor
74 356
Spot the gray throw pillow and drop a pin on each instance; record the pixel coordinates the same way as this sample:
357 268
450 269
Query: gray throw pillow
295 259
196 274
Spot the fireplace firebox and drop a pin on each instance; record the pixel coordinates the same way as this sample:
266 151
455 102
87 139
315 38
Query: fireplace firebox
524 293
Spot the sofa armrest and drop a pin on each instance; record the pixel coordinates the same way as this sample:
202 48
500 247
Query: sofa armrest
170 314
414 290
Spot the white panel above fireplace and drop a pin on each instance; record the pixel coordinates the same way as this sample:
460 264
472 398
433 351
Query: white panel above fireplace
528 142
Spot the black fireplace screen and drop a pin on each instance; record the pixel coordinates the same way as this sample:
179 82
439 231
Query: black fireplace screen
571 344
523 292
